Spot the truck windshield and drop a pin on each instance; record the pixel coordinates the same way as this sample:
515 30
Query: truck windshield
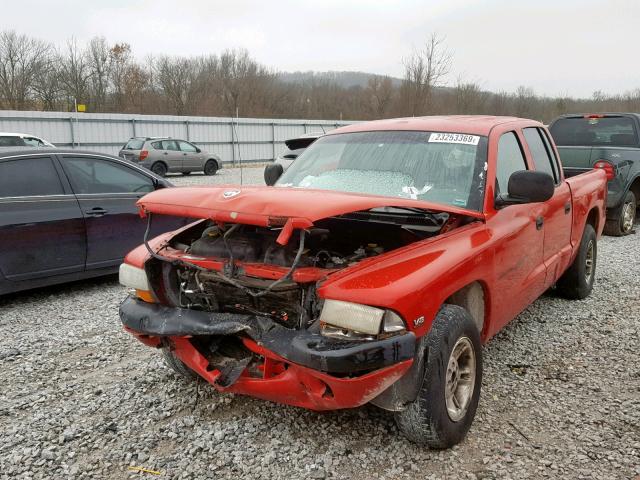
446 168
591 131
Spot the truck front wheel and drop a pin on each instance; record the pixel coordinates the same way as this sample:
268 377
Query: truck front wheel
622 224
577 282
442 414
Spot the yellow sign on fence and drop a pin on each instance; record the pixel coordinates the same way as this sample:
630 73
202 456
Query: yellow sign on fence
81 107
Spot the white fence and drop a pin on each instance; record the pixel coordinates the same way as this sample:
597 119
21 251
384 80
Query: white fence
246 139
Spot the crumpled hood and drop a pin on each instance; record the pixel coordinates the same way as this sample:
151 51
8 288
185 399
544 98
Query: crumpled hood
272 206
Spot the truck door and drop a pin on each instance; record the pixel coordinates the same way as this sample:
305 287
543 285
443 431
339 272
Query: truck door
557 215
519 273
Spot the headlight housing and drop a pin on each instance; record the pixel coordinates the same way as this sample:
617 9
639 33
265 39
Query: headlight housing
136 278
355 321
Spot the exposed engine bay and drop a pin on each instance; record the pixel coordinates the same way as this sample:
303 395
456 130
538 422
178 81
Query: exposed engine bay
330 245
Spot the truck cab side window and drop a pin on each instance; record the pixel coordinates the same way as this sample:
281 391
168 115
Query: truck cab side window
541 156
29 177
510 160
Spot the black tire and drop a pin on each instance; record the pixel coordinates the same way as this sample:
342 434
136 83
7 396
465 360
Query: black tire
426 420
159 169
577 282
186 173
177 365
211 167
625 217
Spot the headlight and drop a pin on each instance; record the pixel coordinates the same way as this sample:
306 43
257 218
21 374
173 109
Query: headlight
356 321
135 277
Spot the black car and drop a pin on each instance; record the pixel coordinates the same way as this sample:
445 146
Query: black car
67 215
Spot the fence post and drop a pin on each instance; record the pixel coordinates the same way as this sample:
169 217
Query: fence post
233 144
186 123
305 127
73 136
133 127
273 140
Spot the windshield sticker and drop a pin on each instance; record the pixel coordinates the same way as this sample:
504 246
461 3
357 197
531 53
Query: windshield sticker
413 192
454 138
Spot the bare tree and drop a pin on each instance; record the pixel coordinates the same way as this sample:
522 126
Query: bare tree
469 97
120 62
75 73
47 87
424 71
99 65
177 77
21 60
243 80
525 98
380 92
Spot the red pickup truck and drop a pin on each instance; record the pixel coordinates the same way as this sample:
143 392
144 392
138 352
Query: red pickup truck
372 271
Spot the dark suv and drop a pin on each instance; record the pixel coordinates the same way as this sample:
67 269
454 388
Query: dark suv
164 154
609 141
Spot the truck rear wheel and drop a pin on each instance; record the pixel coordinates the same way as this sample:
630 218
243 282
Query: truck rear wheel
442 414
577 282
622 224
177 365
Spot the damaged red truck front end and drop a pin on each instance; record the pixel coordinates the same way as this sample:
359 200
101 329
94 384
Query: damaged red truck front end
237 297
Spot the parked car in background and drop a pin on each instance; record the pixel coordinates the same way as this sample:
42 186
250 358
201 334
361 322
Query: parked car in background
294 147
162 155
609 141
23 140
69 214
372 271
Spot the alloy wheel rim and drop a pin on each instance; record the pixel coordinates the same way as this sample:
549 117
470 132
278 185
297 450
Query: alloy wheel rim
627 217
460 379
589 262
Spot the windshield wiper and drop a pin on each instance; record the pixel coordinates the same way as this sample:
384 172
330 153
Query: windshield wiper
408 216
400 210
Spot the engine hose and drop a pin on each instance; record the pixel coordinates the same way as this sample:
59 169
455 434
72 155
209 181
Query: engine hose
287 276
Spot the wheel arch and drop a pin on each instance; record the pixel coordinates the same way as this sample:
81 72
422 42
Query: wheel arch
159 161
593 218
474 298
635 188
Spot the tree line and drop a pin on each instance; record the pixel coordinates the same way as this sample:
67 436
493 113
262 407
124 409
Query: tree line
107 77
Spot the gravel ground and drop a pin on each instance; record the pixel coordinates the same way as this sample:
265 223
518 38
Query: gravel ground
82 399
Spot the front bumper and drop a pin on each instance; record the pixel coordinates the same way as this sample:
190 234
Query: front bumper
300 367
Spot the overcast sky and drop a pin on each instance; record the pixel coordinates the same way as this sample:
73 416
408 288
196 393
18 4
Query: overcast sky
557 47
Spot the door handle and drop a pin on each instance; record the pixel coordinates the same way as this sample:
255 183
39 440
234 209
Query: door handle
96 212
539 223
165 153
567 207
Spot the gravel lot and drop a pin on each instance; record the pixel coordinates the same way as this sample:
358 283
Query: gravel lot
82 399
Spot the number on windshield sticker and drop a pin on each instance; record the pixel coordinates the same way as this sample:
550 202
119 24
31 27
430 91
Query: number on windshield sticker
454 138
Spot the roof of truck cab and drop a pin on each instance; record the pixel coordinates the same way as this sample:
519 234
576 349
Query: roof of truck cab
469 124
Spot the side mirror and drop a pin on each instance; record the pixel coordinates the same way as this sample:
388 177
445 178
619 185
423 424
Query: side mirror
272 173
198 150
526 186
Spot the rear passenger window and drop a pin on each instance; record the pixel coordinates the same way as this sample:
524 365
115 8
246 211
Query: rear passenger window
510 160
541 156
157 145
29 176
169 145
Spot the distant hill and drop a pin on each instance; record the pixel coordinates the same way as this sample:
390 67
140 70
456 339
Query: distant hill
342 79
